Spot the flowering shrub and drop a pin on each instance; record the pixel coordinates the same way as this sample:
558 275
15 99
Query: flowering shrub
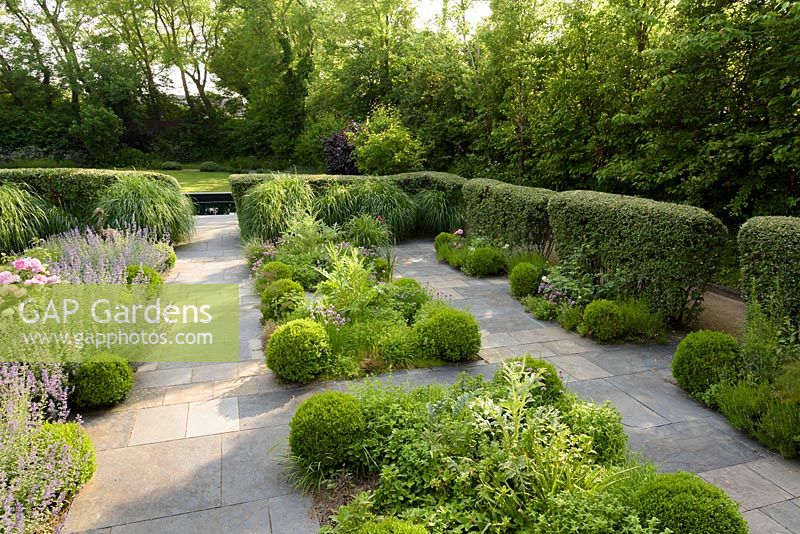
29 272
90 258
41 462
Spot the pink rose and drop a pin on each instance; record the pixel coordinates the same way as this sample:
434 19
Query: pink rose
20 264
7 277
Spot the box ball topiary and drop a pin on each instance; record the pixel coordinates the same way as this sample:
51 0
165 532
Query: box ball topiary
327 429
603 423
441 242
210 166
602 319
684 502
407 296
449 334
171 166
143 274
704 358
52 438
525 279
554 389
104 380
391 525
280 298
299 351
484 261
270 272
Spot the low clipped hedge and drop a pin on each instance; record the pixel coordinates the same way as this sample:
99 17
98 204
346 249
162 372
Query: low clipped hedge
76 191
411 182
513 214
769 253
671 252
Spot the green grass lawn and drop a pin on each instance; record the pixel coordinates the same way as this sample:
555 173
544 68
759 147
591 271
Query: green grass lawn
194 181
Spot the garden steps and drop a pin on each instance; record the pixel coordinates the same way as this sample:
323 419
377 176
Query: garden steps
199 447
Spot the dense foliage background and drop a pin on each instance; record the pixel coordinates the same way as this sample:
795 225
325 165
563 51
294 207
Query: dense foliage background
687 100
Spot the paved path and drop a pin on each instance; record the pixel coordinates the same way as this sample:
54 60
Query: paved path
198 448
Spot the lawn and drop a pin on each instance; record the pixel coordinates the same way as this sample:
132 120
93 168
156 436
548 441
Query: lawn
194 181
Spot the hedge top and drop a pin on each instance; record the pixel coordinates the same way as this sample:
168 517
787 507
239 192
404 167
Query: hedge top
410 182
75 190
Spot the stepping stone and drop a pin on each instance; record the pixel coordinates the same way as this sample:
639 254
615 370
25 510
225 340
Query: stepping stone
162 423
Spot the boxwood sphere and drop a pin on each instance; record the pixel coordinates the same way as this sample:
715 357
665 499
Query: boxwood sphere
553 386
684 502
525 279
102 381
271 272
53 437
703 358
484 261
448 334
299 351
602 319
327 429
280 298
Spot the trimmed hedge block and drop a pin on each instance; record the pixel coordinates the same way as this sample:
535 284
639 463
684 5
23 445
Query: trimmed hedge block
671 252
769 253
77 191
513 214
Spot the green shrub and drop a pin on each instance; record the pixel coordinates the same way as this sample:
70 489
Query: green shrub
441 242
512 214
327 429
210 166
553 390
309 146
569 317
382 198
769 253
367 231
143 274
755 409
541 308
684 502
336 204
74 438
103 381
762 350
484 261
448 334
76 191
268 209
171 166
280 298
435 212
170 258
391 525
603 423
639 323
99 130
525 279
704 358
396 344
299 351
602 319
384 146
271 272
140 201
407 296
672 251
132 157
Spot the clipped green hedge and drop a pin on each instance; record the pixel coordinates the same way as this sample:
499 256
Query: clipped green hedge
513 214
769 253
670 252
77 191
410 182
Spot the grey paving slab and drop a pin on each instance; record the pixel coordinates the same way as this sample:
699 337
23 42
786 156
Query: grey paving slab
746 487
579 367
270 409
162 423
246 518
147 482
140 398
291 514
573 345
634 413
761 523
210 373
212 416
631 360
188 393
667 400
108 430
254 465
161 378
783 473
786 513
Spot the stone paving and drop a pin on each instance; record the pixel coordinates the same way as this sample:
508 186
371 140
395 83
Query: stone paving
200 448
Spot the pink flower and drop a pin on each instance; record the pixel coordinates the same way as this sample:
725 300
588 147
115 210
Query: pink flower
28 264
20 264
37 280
7 277
459 232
